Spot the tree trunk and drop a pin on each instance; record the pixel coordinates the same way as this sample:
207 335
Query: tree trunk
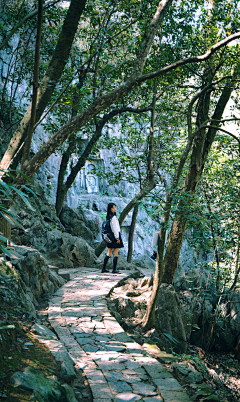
166 268
64 187
237 264
61 187
215 246
97 106
149 318
53 74
5 228
131 233
201 149
28 141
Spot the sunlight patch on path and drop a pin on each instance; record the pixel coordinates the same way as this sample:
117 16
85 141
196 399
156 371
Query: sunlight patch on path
117 368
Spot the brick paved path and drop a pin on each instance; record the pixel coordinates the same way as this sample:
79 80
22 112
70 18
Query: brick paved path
117 368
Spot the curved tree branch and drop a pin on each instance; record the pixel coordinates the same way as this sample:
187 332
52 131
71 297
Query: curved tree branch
28 17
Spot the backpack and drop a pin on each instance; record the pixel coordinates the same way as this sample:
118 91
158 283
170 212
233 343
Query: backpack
107 233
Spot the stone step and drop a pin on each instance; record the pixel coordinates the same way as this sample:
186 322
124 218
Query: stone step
55 269
64 274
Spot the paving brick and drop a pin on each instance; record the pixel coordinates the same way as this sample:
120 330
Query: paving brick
115 366
167 384
101 391
175 396
127 397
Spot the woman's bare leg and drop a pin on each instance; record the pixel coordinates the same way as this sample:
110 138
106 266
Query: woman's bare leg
110 252
115 253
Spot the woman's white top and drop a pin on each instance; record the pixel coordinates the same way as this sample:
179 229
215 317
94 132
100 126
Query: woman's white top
115 227
155 239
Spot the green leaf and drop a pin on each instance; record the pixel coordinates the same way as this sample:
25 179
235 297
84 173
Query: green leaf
20 193
9 218
174 340
7 327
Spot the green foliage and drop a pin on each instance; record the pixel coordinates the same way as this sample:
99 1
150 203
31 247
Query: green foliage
105 47
7 196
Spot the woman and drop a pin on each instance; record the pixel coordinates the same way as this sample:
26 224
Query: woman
117 244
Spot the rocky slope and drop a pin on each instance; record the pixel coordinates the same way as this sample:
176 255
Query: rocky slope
183 317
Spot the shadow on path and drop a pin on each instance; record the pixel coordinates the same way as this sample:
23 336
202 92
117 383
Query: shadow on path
116 367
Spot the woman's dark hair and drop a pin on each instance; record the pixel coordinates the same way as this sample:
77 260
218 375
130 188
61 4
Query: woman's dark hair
109 212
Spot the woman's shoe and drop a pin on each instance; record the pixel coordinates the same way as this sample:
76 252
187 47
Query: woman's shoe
104 270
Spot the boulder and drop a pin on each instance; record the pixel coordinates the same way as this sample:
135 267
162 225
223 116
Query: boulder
144 261
67 251
14 291
227 328
35 273
235 312
200 337
187 373
168 321
36 277
125 307
94 223
77 251
144 282
57 280
42 330
179 281
191 310
45 389
75 223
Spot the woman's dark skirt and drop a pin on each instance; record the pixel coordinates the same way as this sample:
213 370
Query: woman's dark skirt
115 244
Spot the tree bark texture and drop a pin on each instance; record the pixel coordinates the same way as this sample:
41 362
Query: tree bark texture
131 233
61 188
52 76
5 228
28 141
149 317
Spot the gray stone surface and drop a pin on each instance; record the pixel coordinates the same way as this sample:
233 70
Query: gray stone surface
169 320
43 388
119 386
175 396
75 223
116 367
144 389
69 393
168 384
187 373
43 331
127 397
67 372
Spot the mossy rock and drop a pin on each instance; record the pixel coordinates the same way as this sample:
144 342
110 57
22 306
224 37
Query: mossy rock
45 389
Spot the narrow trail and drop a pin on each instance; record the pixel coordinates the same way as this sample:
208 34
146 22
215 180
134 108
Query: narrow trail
116 367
